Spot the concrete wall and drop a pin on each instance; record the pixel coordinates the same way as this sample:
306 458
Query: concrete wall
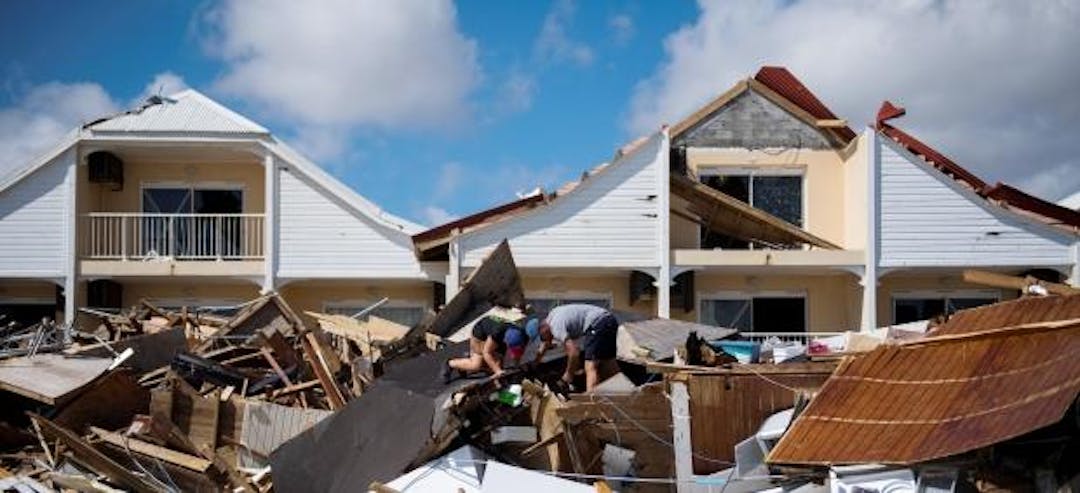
248 176
824 173
615 286
751 121
833 302
315 295
933 284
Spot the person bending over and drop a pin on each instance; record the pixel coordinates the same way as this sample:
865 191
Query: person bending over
491 340
587 332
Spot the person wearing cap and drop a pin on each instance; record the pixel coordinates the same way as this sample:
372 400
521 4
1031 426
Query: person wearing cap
588 333
491 340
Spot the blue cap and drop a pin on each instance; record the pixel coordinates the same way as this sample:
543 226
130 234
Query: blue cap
532 328
515 337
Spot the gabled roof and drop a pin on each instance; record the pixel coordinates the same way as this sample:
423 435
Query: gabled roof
782 88
188 111
1001 193
432 243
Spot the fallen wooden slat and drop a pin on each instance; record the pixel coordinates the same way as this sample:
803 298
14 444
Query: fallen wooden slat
95 459
158 452
1015 282
318 365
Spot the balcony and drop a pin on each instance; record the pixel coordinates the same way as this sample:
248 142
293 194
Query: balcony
171 244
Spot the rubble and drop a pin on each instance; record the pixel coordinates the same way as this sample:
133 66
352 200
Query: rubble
149 399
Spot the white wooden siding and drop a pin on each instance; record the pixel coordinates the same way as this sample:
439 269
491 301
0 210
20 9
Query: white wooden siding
34 221
610 220
321 237
927 219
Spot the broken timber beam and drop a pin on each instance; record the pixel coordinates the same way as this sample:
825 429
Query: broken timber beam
94 458
996 280
158 452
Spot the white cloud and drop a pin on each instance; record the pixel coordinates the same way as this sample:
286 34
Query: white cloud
990 83
43 115
347 63
451 176
434 216
515 94
554 44
165 84
622 28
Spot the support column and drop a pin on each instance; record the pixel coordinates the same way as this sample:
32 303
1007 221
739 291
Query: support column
869 279
680 437
1074 276
270 223
663 215
71 270
453 274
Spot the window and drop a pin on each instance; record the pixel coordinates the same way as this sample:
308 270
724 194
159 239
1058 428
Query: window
915 306
778 192
756 314
186 235
543 303
404 314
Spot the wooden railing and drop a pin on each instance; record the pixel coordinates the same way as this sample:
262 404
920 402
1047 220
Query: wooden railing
147 236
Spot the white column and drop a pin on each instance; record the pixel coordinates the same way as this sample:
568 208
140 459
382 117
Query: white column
873 224
680 436
1074 276
663 215
71 226
270 222
453 274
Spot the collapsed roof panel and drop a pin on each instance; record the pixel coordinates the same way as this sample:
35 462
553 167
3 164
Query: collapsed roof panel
1009 313
725 214
938 397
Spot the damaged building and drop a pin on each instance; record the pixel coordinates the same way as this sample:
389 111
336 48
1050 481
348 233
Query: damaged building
803 304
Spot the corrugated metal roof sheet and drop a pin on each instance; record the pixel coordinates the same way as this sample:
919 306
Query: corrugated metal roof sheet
938 397
185 112
1010 313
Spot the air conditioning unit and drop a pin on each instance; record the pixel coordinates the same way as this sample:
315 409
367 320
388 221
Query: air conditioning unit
106 168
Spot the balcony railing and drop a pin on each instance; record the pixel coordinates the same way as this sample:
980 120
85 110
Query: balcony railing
803 338
147 236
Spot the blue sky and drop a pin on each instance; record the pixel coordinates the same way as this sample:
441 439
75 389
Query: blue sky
436 109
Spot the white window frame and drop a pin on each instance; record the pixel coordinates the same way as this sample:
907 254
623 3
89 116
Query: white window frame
736 295
942 294
198 185
706 170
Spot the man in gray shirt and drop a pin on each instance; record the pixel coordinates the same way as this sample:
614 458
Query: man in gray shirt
588 333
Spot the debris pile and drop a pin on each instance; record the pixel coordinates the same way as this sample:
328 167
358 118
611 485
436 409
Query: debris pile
255 399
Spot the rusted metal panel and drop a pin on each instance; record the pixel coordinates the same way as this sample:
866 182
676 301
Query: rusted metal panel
726 409
1011 313
938 397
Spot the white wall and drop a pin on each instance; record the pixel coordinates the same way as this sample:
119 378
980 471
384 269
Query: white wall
927 219
321 237
610 220
34 221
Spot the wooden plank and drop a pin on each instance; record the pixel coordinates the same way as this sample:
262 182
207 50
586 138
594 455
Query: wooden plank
997 280
93 458
49 378
318 365
726 214
158 452
119 389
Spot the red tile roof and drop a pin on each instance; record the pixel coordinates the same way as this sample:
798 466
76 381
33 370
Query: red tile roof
1000 192
784 83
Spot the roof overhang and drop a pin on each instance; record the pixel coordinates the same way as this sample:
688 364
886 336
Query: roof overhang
725 214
